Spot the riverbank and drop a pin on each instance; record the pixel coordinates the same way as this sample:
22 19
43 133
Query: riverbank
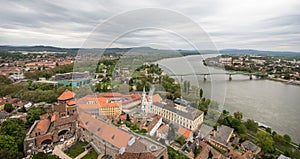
262 100
292 82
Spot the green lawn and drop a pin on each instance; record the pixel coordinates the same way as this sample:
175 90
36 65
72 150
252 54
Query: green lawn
52 157
76 149
91 155
173 154
294 153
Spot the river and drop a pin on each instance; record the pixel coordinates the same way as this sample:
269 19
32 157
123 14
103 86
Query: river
273 103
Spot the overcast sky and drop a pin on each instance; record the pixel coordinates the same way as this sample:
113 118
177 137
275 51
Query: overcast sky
243 24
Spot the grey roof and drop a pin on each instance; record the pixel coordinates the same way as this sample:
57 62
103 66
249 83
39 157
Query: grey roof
222 134
192 113
205 130
3 115
181 101
250 146
283 157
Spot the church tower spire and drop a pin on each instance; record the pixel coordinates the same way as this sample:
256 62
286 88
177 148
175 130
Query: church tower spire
144 101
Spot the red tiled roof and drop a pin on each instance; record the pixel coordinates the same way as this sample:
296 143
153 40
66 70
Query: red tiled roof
93 102
163 129
205 152
54 116
44 116
236 155
43 125
104 103
128 155
152 123
66 95
156 98
71 102
67 63
184 132
111 95
109 133
133 97
13 100
123 117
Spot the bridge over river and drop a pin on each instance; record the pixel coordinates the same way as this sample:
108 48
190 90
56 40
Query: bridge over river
256 74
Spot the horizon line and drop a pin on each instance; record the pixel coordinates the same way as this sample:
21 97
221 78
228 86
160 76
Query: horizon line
224 49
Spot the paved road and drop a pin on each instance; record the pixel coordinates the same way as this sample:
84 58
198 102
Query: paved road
58 152
82 154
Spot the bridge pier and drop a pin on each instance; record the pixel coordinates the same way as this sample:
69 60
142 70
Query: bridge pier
205 77
250 77
230 78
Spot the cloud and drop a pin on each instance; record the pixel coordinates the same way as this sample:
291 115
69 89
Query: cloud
253 24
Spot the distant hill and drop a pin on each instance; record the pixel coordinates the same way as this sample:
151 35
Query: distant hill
259 52
34 48
147 50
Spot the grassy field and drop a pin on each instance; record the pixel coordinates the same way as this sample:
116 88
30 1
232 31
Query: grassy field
91 155
76 149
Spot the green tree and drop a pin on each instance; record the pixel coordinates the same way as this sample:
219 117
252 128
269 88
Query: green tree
180 140
203 105
238 126
8 107
274 133
9 154
40 155
196 151
251 125
243 137
188 87
7 143
227 120
225 112
61 89
242 129
173 154
287 138
210 155
278 139
127 117
265 141
4 80
201 93
14 127
269 130
287 153
238 115
185 87
33 114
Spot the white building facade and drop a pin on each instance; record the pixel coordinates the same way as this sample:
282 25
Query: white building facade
187 117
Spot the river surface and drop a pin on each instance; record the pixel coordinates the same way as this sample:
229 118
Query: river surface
275 104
